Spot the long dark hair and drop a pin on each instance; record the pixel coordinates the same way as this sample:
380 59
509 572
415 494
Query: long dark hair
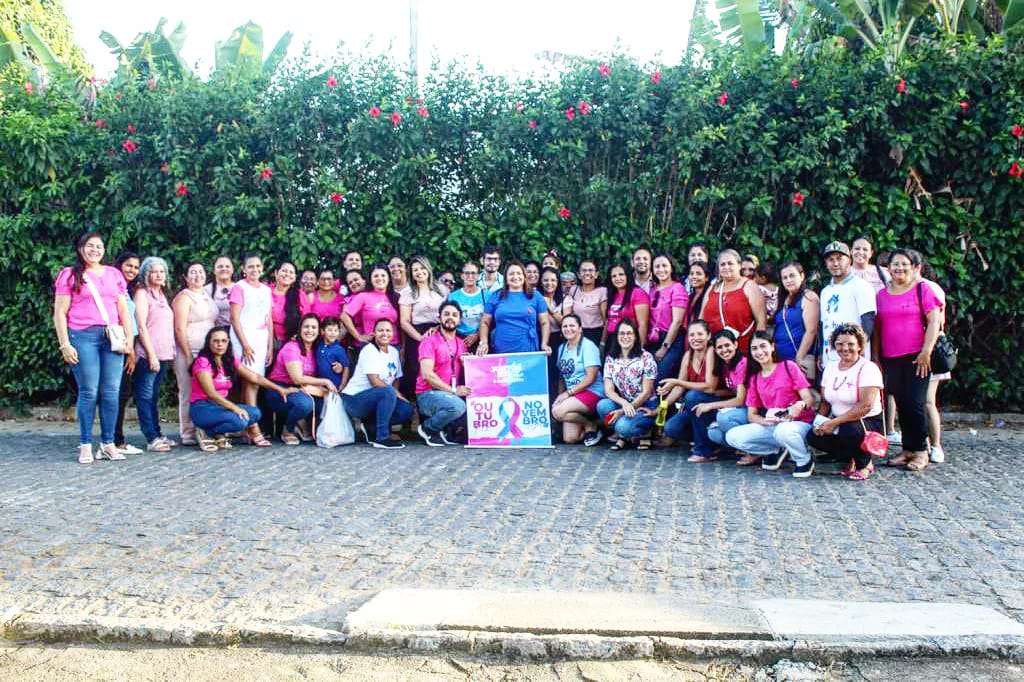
557 296
753 366
698 300
227 360
722 368
291 303
295 337
390 290
793 299
78 267
627 291
126 256
527 287
615 350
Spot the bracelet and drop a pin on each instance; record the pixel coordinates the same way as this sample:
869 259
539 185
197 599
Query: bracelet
64 345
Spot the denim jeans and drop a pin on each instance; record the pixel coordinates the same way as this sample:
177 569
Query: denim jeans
439 409
668 366
725 421
297 407
628 427
98 376
685 425
380 403
758 439
146 385
214 419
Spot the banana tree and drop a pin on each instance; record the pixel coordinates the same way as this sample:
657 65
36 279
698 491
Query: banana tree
887 23
150 54
1013 20
740 20
242 53
40 63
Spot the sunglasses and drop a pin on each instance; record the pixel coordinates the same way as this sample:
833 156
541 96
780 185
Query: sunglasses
448 282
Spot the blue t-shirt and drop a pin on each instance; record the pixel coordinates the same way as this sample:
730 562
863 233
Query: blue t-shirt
472 310
573 363
789 329
328 354
515 321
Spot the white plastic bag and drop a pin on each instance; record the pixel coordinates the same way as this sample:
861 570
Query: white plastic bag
335 427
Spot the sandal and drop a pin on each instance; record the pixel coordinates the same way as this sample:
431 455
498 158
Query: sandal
258 439
918 462
664 442
158 445
224 443
206 444
701 459
899 460
644 443
170 443
289 438
620 444
748 460
859 474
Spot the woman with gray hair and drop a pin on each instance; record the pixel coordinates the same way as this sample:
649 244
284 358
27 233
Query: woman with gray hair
154 348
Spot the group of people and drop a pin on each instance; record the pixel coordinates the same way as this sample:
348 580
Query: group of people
720 355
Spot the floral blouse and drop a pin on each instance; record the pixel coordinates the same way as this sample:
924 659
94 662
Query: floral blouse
628 375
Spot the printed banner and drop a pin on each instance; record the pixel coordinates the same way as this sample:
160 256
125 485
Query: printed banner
509 405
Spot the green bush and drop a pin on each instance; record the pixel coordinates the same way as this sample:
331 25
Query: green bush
715 150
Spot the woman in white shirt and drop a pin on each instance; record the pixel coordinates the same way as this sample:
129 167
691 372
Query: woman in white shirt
372 392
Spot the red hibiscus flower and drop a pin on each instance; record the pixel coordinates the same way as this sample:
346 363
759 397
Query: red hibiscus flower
151 84
1017 131
332 82
423 112
604 70
519 107
266 174
100 123
164 168
182 189
798 199
337 197
396 118
1015 170
131 128
795 83
129 146
374 111
29 87
901 87
723 99
584 107
532 124
570 113
564 213
656 77
965 105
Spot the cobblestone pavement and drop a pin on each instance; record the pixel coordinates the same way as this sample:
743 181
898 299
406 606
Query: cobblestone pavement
300 535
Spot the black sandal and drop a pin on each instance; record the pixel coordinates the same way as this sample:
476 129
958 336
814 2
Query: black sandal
620 444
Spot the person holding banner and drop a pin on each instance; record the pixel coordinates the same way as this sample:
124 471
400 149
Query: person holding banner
579 369
629 375
515 312
373 389
439 396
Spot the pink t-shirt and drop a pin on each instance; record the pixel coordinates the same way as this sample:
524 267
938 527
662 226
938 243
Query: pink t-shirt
445 353
367 307
260 303
779 389
738 375
277 313
662 303
617 311
159 325
900 322
587 304
291 352
83 312
841 387
320 308
221 382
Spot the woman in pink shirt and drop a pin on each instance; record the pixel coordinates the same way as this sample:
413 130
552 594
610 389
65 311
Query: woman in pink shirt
296 366
195 314
325 301
907 324
214 373
285 303
154 349
590 302
368 306
252 338
668 312
625 300
81 324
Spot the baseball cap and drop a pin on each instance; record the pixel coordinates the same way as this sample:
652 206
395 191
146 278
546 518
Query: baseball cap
567 276
836 247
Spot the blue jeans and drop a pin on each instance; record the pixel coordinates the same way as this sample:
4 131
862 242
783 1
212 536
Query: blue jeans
214 419
758 439
439 409
685 423
382 404
725 420
98 376
146 385
628 427
668 366
297 407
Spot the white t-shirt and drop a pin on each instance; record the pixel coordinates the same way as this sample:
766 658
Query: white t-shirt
844 303
839 386
386 366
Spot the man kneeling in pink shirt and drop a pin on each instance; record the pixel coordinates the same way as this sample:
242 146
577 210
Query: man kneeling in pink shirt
440 398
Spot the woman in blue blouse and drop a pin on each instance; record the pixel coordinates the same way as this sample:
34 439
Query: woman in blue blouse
796 320
512 316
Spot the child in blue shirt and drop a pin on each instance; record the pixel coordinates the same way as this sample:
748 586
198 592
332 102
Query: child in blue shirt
331 356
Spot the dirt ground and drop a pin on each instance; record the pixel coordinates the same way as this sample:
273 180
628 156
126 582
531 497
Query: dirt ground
102 662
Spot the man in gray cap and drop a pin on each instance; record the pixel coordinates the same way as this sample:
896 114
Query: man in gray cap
847 299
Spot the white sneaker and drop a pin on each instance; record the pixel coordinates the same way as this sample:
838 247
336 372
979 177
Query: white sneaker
895 438
85 454
937 454
130 449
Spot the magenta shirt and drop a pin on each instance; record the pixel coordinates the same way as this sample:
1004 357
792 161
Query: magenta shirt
738 376
323 309
221 382
83 312
900 319
662 303
277 313
779 389
617 311
367 307
445 353
159 324
292 352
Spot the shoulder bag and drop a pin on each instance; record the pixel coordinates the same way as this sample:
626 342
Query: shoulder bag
873 442
115 333
945 353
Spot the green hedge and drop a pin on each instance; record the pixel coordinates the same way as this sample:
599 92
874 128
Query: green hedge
647 155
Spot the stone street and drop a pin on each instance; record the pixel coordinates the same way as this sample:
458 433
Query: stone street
302 535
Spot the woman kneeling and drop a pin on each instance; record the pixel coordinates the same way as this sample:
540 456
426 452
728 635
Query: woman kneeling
629 374
373 389
851 403
579 371
214 372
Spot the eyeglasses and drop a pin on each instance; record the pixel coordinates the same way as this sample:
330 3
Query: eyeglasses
448 282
